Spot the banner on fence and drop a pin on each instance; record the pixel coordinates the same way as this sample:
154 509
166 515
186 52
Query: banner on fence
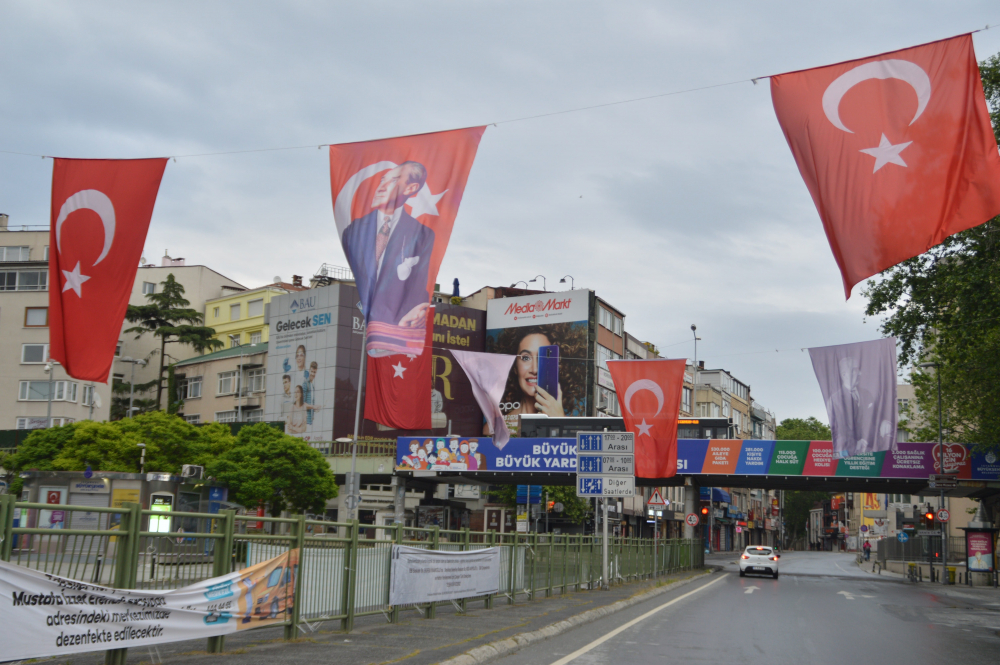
48 615
421 576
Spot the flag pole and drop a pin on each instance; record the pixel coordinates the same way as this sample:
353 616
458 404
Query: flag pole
352 485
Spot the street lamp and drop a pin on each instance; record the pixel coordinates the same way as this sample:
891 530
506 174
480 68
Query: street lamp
535 279
944 532
142 458
131 385
520 281
49 369
571 282
353 493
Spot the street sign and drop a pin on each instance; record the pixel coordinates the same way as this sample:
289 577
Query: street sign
526 497
942 481
864 527
692 519
928 533
656 499
605 486
943 515
902 537
739 529
607 465
605 442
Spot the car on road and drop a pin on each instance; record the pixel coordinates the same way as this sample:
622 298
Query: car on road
759 559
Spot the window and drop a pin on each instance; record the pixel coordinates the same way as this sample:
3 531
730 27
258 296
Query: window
14 253
608 400
234 341
191 388
118 350
255 380
255 337
31 423
228 384
193 419
254 416
24 280
703 409
715 410
902 405
88 395
36 317
148 288
255 307
686 400
605 354
58 422
215 312
34 354
46 253
725 409
234 312
225 416
610 321
38 391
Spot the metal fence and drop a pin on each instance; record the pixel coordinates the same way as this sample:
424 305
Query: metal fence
919 549
344 568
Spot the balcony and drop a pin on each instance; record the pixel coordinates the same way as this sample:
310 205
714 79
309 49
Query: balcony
249 399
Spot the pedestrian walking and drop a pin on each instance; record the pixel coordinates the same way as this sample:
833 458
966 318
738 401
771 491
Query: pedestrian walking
867 547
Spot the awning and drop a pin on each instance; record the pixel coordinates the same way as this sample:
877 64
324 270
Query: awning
719 495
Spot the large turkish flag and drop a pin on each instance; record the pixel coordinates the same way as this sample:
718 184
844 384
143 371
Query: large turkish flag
398 394
649 393
897 151
100 214
394 203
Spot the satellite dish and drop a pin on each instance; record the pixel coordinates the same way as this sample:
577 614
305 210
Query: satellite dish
97 400
277 279
142 261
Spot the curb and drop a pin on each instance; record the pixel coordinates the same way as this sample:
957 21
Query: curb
500 648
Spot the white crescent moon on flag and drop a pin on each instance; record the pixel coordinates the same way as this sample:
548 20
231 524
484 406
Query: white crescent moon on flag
880 69
644 384
342 206
90 199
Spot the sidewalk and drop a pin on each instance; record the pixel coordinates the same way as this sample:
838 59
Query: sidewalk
413 641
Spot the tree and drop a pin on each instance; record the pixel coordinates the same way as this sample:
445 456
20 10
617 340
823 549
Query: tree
168 317
575 509
796 510
797 429
269 466
944 307
123 393
112 446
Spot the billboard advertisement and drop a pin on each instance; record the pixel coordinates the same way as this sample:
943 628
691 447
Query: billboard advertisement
426 453
549 334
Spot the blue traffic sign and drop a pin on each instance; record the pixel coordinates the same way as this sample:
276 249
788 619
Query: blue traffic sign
902 537
522 494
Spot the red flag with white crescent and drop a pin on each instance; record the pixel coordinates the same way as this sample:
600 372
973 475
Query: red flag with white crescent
394 203
649 393
897 151
398 394
100 215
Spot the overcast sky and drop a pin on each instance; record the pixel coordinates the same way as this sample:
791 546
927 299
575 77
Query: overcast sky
677 210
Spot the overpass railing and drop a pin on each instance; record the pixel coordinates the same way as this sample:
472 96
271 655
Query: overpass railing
344 566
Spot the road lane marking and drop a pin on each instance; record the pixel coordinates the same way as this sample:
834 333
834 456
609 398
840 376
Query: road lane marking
846 594
750 589
607 636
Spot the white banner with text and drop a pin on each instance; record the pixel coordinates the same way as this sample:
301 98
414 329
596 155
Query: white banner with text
421 576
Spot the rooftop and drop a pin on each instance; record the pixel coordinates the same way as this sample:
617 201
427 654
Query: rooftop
232 352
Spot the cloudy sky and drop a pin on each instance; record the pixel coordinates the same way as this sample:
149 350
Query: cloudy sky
678 210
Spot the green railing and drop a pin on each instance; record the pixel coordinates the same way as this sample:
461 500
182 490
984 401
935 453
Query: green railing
344 568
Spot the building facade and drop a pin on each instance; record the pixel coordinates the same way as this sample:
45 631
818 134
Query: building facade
239 317
226 386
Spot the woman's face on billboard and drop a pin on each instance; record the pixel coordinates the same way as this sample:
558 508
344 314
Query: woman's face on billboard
300 357
527 362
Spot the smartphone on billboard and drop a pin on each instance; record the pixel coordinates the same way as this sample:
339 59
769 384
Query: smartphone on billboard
548 369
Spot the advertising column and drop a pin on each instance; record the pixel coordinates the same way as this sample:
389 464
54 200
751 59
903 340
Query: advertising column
548 332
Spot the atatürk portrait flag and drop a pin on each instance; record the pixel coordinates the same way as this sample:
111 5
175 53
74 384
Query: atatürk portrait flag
897 151
394 203
100 214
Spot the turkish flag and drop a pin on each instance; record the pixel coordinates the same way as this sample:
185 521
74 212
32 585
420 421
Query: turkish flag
395 203
398 394
897 151
100 214
649 393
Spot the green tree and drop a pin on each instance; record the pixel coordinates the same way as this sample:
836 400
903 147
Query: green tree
796 511
122 393
169 317
798 429
268 466
575 509
944 307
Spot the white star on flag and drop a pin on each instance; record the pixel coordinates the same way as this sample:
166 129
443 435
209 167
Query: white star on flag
398 370
74 280
644 428
887 153
425 203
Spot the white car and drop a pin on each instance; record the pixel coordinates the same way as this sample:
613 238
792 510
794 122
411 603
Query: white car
759 559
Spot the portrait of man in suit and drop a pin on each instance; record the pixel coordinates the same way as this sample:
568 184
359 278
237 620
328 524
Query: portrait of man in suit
856 424
391 251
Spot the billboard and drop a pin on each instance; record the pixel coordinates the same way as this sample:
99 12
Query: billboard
472 453
555 325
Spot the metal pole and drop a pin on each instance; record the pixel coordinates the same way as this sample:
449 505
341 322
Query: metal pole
239 390
604 546
93 391
944 532
131 389
48 416
353 496
547 512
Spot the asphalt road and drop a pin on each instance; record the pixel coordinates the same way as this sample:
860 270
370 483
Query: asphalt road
822 609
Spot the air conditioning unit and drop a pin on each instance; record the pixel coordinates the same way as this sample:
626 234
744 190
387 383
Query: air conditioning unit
192 471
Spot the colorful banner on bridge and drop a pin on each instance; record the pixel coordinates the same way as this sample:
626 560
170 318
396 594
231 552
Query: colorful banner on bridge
442 453
48 615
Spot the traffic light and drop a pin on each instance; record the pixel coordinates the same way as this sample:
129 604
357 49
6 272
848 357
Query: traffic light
550 505
704 510
929 516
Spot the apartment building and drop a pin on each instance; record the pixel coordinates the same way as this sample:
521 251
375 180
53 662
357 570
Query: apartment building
27 379
226 386
239 317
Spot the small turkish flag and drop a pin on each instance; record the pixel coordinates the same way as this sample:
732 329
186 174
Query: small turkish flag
100 214
398 394
897 151
649 393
